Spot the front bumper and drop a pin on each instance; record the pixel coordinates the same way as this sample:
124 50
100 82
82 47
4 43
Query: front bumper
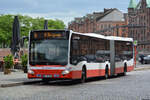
52 74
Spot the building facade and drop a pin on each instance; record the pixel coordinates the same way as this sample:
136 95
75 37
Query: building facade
139 22
106 23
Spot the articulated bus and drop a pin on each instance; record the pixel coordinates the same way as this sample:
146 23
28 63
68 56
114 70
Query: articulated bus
64 54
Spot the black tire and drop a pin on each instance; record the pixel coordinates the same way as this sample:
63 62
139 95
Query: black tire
144 62
45 80
83 77
106 73
125 70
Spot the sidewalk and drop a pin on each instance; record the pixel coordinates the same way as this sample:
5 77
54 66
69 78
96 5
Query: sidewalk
15 78
140 66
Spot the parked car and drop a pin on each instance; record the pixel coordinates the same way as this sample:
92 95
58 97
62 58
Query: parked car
146 59
141 58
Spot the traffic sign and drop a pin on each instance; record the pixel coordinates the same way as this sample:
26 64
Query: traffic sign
135 42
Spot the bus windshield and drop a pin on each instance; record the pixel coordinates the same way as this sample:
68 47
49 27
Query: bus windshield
48 52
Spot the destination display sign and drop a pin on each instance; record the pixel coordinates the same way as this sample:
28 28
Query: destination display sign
49 35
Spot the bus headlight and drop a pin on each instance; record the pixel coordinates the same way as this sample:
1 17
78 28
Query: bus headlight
65 72
30 71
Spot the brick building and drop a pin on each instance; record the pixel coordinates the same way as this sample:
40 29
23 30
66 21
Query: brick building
98 21
139 15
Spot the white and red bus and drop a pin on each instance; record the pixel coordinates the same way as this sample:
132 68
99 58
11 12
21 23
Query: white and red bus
61 54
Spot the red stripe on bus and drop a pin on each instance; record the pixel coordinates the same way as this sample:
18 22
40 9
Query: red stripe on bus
130 68
77 74
121 69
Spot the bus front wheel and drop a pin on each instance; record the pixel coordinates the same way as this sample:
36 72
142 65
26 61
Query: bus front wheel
45 80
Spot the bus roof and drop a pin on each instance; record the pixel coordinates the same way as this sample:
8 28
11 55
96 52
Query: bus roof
119 38
105 37
93 35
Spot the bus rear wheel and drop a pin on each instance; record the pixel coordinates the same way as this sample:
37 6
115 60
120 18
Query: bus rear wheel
106 73
125 70
83 77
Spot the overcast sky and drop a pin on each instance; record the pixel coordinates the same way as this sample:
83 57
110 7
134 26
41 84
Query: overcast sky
65 10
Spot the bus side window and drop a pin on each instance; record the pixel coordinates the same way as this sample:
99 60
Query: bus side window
74 49
123 50
102 55
75 44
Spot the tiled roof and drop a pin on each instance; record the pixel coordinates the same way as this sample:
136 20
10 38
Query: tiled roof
106 12
95 16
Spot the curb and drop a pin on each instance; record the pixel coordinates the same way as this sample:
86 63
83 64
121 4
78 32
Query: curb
18 84
143 68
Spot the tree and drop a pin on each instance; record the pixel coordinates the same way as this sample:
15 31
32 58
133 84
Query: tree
26 24
56 24
5 29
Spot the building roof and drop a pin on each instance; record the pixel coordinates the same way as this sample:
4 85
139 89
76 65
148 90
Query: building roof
132 4
106 12
148 3
112 15
77 19
95 16
139 5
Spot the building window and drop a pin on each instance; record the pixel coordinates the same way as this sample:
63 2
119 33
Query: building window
109 25
102 26
105 26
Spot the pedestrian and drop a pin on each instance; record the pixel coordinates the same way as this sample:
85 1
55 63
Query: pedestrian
142 59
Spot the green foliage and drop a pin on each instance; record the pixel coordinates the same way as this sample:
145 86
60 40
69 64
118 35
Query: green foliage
6 22
56 24
26 24
8 60
24 60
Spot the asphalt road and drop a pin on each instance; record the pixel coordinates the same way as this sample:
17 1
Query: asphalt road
134 86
